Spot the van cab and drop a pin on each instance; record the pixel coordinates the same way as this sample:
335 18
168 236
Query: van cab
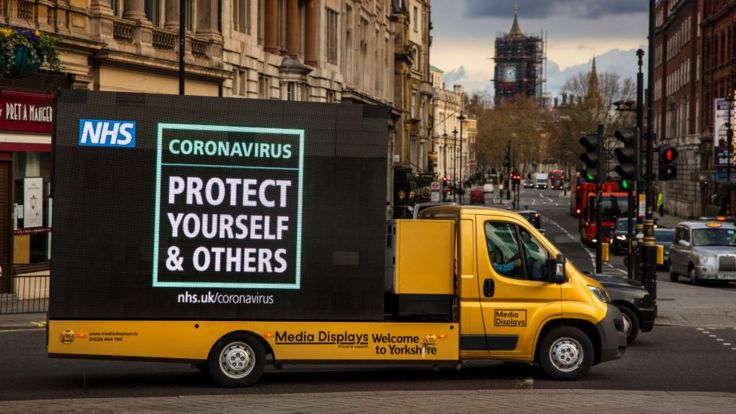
520 300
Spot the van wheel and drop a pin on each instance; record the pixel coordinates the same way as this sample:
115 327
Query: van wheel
566 353
631 324
236 360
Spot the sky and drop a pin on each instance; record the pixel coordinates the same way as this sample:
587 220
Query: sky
464 32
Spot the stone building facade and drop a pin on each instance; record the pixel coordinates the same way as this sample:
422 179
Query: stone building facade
450 140
340 51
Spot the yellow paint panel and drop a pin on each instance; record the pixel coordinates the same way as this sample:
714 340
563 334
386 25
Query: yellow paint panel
290 341
425 255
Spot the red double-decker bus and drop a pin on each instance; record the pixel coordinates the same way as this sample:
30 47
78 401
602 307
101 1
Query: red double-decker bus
557 179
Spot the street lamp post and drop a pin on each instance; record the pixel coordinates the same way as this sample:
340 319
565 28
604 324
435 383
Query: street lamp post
444 155
182 43
454 163
461 118
729 151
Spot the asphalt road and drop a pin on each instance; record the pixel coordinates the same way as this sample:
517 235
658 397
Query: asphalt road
667 359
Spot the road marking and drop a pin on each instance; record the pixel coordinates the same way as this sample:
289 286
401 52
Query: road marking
567 233
726 344
706 332
700 329
719 339
711 336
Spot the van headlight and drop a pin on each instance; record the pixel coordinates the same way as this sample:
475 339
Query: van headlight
621 237
599 293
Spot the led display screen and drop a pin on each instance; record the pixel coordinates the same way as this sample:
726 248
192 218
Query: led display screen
174 207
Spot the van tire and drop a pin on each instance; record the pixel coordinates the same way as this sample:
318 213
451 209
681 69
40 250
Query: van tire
566 353
236 360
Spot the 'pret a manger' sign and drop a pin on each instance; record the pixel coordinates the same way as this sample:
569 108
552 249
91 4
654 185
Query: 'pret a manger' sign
26 112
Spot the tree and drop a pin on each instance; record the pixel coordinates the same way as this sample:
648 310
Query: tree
519 122
588 102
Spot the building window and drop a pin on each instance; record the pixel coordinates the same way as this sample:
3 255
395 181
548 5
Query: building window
332 36
153 11
32 171
241 16
291 91
264 87
282 24
414 105
116 6
261 21
415 19
331 96
243 84
189 8
348 54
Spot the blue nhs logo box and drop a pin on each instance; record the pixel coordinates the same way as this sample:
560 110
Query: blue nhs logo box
106 133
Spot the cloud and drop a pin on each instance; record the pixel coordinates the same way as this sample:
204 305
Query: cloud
473 82
541 9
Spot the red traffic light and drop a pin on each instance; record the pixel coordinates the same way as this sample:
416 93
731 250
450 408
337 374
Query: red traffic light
669 154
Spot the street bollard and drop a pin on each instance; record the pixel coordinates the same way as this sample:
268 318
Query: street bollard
604 252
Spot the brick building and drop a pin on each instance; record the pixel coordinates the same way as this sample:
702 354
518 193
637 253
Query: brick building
678 100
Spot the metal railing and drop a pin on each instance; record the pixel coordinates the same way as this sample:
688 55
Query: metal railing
23 292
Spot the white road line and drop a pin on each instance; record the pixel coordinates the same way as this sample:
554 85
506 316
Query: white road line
567 233
726 344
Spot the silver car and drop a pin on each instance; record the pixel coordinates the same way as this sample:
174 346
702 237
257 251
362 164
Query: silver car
703 251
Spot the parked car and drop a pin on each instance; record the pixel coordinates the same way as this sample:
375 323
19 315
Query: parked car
528 183
664 237
704 251
477 196
633 301
533 217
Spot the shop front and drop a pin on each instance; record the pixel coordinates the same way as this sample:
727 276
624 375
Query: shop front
26 121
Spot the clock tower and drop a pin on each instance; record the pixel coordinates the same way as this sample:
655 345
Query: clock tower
519 64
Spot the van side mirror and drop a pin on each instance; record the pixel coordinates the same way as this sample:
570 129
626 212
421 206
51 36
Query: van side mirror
684 243
556 270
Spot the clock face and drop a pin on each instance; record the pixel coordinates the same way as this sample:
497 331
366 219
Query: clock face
509 74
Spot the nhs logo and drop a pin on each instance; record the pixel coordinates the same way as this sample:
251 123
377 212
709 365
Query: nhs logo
105 133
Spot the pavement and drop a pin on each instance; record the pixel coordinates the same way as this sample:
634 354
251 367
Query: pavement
488 401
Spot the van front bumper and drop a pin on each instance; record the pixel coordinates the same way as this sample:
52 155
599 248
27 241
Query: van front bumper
613 338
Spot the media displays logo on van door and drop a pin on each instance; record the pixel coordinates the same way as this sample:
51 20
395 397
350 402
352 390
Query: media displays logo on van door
106 133
228 207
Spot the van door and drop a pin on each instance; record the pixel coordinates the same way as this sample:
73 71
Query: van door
515 295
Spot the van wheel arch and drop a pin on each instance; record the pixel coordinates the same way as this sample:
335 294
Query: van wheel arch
586 327
224 358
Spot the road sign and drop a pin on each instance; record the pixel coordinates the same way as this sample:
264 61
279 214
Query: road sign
435 186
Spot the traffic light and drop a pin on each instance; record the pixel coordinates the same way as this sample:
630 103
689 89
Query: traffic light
591 158
626 157
667 159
